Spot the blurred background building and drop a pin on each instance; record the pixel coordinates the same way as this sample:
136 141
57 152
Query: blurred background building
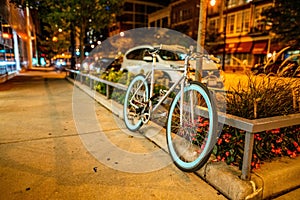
135 14
246 40
18 44
232 29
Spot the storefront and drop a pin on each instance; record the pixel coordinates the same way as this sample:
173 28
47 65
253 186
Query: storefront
13 39
243 55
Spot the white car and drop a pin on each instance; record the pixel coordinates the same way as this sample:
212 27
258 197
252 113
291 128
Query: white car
138 61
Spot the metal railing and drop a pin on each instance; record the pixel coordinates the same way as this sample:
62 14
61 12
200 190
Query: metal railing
249 126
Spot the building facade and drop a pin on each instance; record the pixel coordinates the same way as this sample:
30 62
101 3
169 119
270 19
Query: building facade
16 40
246 40
134 15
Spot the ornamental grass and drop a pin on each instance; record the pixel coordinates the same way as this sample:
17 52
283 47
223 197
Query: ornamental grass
261 97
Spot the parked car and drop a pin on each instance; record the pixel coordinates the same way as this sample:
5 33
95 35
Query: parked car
138 60
102 65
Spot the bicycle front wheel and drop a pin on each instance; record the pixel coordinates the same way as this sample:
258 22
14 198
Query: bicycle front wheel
192 127
135 102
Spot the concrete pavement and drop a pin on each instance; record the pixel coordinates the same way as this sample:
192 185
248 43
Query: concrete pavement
47 153
42 155
273 179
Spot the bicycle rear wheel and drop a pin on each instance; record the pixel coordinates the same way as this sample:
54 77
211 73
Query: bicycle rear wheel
192 132
135 101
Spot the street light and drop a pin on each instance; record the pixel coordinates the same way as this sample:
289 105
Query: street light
201 34
224 30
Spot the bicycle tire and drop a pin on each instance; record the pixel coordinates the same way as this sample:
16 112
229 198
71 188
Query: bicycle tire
191 141
133 123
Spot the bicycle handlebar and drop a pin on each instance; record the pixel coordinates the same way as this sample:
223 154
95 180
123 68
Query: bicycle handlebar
189 51
176 48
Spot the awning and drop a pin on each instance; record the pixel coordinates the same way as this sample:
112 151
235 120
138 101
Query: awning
260 47
241 47
230 48
244 47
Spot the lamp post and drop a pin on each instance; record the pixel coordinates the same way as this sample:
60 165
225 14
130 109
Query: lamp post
29 42
224 30
201 34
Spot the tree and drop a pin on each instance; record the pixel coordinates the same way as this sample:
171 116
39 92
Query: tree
64 20
285 19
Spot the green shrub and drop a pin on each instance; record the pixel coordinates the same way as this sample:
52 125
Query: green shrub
261 97
272 96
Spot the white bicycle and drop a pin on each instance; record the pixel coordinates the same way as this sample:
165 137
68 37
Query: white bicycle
191 127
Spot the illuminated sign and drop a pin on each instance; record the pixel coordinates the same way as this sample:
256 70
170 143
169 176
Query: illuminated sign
6 35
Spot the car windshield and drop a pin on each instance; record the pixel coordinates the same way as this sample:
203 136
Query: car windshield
171 56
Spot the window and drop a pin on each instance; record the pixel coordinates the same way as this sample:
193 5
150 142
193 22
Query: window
139 8
214 25
230 24
239 22
128 6
136 54
151 9
246 21
158 23
168 55
259 21
180 15
232 3
165 22
242 59
140 18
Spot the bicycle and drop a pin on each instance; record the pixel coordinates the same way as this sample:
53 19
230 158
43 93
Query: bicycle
191 128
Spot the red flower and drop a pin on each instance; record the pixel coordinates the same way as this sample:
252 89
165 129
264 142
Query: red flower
199 130
279 140
295 144
293 154
219 141
275 131
257 137
257 166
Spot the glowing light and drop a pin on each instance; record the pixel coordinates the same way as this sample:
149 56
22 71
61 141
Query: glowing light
269 55
7 63
212 2
6 35
122 34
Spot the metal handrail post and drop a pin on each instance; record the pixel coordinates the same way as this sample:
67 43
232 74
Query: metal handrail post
247 158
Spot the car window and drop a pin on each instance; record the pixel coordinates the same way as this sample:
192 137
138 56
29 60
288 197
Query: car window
171 56
135 54
146 53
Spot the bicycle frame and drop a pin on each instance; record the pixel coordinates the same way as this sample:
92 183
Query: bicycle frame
190 135
181 82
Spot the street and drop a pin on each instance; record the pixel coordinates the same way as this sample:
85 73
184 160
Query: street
44 156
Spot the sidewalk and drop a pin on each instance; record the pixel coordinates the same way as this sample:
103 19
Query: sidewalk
43 156
273 179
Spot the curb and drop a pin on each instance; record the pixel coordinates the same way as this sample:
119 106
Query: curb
275 178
